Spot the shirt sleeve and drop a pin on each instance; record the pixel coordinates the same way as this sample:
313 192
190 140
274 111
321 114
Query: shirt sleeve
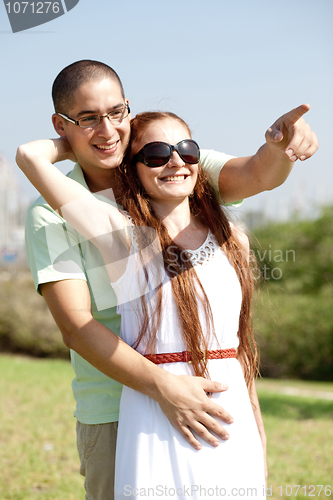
212 163
52 247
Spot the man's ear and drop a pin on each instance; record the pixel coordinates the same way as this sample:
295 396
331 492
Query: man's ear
59 125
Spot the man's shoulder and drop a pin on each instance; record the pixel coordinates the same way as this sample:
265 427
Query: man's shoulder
209 157
40 213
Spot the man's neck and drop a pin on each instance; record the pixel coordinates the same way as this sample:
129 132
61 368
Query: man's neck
101 181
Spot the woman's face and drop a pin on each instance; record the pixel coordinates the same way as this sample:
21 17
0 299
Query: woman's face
174 180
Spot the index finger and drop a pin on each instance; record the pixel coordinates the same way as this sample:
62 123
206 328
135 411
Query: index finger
295 114
211 407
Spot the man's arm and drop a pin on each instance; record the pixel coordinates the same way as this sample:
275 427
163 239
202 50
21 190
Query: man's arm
183 399
288 139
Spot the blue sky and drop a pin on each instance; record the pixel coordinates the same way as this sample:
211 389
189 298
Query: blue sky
229 68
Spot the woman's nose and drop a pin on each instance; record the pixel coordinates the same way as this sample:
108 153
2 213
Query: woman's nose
175 160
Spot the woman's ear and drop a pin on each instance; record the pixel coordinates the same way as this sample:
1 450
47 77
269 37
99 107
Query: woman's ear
130 114
59 124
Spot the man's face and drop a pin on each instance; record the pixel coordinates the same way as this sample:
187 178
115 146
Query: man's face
102 146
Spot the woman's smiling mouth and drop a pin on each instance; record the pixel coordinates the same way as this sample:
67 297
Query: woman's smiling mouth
174 178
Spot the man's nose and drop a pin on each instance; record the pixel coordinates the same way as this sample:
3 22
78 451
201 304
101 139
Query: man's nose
105 127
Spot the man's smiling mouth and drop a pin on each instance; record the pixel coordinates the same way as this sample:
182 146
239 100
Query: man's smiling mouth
106 147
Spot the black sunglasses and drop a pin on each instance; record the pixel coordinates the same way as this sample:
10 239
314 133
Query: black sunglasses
156 154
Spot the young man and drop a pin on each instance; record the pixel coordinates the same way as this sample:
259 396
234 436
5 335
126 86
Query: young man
92 113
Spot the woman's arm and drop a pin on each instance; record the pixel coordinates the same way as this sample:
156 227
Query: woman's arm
258 417
259 421
244 242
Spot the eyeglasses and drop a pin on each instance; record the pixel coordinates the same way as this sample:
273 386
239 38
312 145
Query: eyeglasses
156 154
115 116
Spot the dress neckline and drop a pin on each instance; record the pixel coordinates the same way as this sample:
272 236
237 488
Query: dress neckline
205 252
200 256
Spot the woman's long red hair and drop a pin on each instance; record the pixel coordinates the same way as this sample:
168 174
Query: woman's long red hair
185 282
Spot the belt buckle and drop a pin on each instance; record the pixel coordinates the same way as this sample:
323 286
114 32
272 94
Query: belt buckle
203 356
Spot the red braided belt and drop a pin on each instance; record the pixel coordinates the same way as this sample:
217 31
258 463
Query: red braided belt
185 356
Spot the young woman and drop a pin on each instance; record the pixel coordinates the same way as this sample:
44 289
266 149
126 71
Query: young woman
183 283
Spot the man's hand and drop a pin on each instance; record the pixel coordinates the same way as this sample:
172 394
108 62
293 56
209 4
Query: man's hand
288 139
291 134
189 409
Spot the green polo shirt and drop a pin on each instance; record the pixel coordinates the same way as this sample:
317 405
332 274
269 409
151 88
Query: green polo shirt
57 252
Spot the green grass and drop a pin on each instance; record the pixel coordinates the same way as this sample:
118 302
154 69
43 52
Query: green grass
274 385
299 431
37 433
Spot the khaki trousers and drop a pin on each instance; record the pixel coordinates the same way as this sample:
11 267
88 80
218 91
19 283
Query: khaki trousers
97 449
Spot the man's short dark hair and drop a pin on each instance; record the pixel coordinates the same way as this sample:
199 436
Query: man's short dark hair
75 75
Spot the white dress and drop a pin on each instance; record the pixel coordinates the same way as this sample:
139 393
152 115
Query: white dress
153 460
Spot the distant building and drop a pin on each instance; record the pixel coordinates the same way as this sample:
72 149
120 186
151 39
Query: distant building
12 212
254 219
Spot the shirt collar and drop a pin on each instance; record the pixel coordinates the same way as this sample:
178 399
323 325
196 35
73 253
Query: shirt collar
77 175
